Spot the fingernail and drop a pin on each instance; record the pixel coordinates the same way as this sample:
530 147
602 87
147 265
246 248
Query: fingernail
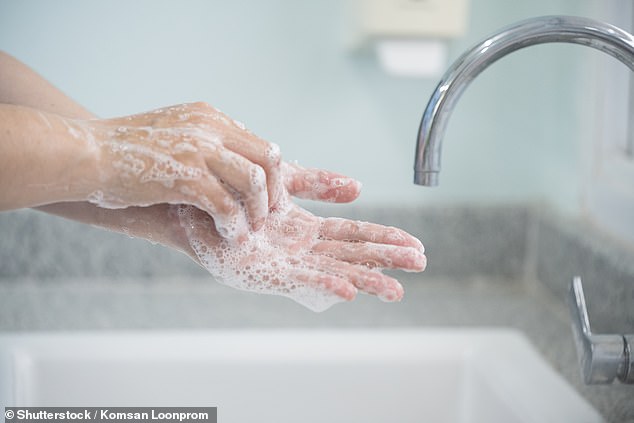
357 185
393 294
348 292
419 244
411 259
258 223
420 262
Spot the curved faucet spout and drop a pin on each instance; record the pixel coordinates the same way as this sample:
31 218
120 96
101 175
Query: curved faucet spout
548 29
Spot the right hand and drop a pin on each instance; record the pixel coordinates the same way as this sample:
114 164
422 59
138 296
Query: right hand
315 261
187 154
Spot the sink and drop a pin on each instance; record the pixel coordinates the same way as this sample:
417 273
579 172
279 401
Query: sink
396 375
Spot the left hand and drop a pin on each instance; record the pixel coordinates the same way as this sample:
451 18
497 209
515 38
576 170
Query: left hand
315 261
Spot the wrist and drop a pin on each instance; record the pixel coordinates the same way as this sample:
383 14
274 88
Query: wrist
44 158
81 154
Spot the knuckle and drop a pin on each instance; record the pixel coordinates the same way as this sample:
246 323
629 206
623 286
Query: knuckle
272 154
199 112
215 198
299 186
226 205
257 179
351 228
201 105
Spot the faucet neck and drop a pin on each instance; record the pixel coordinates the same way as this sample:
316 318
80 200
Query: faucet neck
548 29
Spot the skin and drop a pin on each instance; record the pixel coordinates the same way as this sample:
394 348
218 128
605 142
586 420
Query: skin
296 248
185 154
339 256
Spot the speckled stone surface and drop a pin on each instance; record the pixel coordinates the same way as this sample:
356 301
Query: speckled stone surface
565 249
460 242
37 245
488 267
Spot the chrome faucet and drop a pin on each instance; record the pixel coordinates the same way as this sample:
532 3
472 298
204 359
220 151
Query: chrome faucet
547 29
604 358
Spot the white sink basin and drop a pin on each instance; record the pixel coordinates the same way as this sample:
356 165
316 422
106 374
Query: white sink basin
295 376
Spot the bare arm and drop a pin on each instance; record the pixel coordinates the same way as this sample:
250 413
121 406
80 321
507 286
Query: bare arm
21 85
41 160
332 256
184 154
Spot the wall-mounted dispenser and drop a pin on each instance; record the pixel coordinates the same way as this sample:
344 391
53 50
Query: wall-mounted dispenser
409 36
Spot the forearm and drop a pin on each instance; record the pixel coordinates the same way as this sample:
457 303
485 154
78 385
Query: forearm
44 158
21 85
157 223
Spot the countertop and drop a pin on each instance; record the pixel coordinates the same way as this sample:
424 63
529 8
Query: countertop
33 305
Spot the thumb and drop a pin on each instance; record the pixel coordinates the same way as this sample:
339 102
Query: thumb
319 184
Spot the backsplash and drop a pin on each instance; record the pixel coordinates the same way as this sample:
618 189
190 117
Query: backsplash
283 68
37 245
460 242
565 250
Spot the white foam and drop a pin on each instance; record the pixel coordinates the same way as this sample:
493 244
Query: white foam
257 179
163 168
129 165
99 198
167 170
273 153
74 132
45 120
239 124
95 197
257 264
184 147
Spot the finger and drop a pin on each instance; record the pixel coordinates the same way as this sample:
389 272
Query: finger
349 230
328 282
367 280
239 140
214 198
245 177
374 255
322 185
266 155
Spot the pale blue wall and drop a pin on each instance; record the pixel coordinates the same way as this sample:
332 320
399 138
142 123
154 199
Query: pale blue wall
281 66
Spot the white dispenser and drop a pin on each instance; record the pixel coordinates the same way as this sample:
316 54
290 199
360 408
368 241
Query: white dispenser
409 36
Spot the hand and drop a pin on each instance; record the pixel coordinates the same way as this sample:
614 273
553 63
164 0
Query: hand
160 223
322 261
315 261
187 154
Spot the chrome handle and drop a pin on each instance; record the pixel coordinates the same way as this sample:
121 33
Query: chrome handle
603 358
